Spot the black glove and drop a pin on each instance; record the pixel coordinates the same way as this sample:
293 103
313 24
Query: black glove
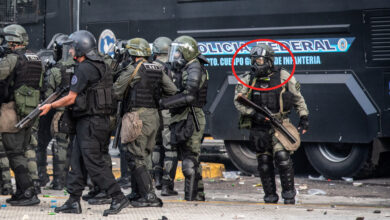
304 123
258 118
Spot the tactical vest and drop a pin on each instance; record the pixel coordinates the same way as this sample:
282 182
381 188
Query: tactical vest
147 91
28 71
97 98
273 98
27 77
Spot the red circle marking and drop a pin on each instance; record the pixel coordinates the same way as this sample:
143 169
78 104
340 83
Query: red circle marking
263 89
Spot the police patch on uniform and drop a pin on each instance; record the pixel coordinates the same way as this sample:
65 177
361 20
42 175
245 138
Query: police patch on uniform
74 80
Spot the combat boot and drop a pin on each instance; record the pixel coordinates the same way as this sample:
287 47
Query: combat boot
70 206
43 177
145 189
124 182
167 190
118 203
28 198
14 196
92 193
100 199
57 184
267 176
286 172
150 200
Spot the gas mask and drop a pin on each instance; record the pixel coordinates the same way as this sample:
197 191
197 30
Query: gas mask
261 67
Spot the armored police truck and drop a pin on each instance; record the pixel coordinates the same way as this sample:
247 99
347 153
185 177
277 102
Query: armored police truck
341 51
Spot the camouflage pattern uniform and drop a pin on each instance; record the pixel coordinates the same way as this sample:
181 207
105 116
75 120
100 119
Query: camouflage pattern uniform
5 181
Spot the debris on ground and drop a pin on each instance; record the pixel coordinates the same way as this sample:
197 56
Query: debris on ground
347 179
231 175
377 211
359 218
241 182
316 192
25 217
257 185
303 187
357 184
320 178
325 212
309 210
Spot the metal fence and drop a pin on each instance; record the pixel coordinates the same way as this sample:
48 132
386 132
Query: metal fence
19 11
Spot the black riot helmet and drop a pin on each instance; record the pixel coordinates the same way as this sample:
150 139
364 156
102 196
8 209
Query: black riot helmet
60 46
262 59
83 42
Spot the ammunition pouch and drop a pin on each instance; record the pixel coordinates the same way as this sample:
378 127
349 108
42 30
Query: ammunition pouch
245 122
26 100
181 131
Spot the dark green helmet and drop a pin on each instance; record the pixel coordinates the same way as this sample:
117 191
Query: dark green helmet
161 45
138 47
16 33
187 46
262 50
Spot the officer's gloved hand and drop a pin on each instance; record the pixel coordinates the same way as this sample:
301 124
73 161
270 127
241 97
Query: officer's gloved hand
259 118
304 124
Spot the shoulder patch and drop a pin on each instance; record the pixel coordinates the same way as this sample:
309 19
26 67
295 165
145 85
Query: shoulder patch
74 80
298 86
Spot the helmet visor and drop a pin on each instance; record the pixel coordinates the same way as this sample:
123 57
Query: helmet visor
175 53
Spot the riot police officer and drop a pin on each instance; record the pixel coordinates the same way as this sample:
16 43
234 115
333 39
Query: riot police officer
91 100
58 77
141 85
280 101
164 156
188 119
20 75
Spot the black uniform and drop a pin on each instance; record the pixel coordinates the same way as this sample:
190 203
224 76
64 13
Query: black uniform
91 110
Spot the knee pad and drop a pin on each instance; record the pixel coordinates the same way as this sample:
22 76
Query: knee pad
190 165
282 159
265 163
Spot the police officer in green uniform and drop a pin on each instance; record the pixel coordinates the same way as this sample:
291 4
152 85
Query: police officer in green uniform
164 156
58 77
92 102
269 149
21 74
141 85
191 79
5 175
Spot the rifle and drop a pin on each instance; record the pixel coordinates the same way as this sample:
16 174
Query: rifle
192 110
30 117
115 143
267 113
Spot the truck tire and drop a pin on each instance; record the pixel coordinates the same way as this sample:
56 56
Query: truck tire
242 156
337 160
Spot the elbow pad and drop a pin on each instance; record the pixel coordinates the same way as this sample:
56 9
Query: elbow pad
176 101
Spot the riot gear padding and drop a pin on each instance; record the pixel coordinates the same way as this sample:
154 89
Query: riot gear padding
194 95
161 45
267 176
190 167
286 172
138 47
16 33
83 42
